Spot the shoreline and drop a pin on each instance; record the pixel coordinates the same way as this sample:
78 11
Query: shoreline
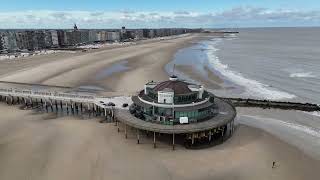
42 146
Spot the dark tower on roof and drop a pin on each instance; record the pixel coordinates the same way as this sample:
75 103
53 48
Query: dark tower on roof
75 28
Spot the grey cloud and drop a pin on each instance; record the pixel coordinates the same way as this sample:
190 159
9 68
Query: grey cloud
182 12
96 13
153 14
29 16
239 16
59 15
248 13
142 16
127 12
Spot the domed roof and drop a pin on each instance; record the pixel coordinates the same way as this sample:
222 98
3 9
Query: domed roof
178 87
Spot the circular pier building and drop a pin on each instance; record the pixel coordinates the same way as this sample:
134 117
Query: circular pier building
185 112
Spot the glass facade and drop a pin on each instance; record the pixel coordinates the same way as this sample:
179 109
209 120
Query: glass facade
160 115
178 99
185 99
194 115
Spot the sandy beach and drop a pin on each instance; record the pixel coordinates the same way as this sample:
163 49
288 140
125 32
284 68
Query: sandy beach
44 146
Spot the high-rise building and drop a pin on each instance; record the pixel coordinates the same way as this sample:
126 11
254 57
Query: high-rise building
93 36
54 38
73 37
151 33
138 34
62 38
22 40
102 35
48 39
8 41
113 36
123 33
84 36
3 46
40 38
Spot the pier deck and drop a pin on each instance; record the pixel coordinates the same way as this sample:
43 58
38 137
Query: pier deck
226 114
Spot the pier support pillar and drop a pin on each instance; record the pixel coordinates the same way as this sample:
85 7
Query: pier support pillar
45 104
112 114
173 145
75 107
117 124
232 127
154 140
125 131
67 107
222 133
61 105
51 106
192 138
72 109
56 105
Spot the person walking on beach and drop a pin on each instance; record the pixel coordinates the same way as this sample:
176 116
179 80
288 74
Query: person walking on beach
273 164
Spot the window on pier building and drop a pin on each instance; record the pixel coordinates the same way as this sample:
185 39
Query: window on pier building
190 114
185 98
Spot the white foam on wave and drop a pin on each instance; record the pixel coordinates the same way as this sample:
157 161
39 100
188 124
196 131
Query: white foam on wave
252 87
315 113
304 137
301 128
302 75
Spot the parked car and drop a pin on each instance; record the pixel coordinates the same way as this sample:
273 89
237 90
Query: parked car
111 104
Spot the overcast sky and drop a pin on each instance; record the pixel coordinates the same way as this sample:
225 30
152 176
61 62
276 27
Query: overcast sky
158 13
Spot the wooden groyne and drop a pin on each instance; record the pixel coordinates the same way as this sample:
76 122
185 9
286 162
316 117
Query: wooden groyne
241 102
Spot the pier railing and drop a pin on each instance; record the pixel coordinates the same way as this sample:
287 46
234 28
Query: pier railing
54 95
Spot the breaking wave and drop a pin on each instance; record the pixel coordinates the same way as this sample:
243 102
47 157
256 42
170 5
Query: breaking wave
252 87
315 113
301 128
303 75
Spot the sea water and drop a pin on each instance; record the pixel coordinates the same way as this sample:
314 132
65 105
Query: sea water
263 63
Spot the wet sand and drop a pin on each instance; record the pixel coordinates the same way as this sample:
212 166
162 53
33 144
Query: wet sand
213 81
38 146
43 146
